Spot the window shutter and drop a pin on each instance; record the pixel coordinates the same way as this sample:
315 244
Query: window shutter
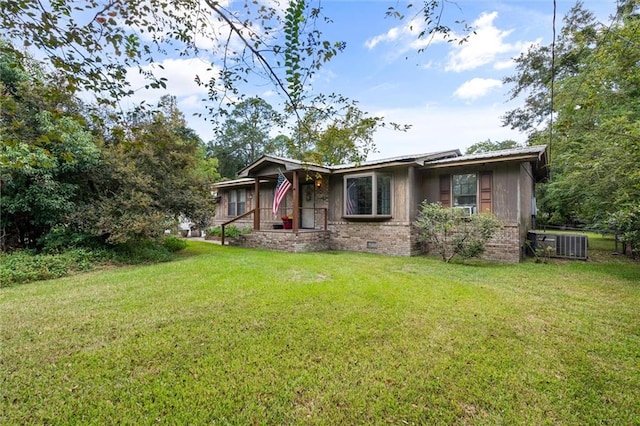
445 190
486 182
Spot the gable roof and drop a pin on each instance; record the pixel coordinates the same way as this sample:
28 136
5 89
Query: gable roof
288 164
268 165
268 162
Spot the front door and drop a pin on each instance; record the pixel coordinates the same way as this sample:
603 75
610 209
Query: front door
307 202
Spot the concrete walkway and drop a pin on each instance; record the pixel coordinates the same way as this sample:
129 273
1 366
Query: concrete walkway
203 240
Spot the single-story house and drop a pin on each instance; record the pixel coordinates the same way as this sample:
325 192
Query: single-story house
371 207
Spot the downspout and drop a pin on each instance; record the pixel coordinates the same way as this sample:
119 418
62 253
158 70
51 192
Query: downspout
256 205
410 196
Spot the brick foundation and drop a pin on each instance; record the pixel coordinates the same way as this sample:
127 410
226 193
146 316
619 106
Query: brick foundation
304 241
504 246
391 238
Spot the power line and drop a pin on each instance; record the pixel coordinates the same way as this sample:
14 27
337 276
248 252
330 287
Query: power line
553 78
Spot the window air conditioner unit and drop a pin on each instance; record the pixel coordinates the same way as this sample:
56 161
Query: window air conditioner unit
466 210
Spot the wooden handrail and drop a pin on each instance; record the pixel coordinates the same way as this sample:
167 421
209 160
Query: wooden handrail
253 211
233 220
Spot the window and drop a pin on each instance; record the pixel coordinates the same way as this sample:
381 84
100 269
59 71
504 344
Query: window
462 191
465 192
368 195
237 202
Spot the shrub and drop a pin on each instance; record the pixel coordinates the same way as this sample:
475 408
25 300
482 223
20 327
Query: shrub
25 266
230 231
233 231
216 231
174 244
62 238
141 251
451 233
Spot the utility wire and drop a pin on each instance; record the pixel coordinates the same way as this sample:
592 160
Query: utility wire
553 78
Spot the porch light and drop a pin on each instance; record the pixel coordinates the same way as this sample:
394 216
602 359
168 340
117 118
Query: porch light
319 182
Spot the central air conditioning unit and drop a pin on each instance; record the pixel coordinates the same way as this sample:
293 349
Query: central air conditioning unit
546 242
572 246
568 246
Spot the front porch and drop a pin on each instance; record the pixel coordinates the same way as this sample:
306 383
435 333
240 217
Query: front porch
300 221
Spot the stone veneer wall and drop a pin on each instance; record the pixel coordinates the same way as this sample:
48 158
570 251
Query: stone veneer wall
304 241
391 238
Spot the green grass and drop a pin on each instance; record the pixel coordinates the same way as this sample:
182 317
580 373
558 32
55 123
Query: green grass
235 336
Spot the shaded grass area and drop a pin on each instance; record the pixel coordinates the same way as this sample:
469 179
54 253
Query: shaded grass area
228 335
25 266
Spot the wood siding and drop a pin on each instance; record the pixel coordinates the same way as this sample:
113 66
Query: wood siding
402 203
500 185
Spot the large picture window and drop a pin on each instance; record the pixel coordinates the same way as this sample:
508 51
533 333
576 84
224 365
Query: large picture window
237 202
368 195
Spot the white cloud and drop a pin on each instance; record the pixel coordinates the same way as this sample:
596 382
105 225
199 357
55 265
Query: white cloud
476 88
503 65
180 75
390 35
437 128
192 102
428 65
407 36
486 46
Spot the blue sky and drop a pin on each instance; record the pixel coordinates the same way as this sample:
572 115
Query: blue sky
452 95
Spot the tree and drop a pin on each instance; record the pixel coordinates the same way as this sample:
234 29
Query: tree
489 146
93 44
594 137
151 173
46 151
245 136
626 224
337 134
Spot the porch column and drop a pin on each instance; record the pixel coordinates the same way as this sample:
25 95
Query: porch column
256 205
296 202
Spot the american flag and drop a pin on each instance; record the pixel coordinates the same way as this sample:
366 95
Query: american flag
282 187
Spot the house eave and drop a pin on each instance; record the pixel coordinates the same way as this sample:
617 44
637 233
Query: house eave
404 161
536 155
472 162
287 164
359 169
235 183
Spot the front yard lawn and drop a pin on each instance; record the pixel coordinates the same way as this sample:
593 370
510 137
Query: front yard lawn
236 336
